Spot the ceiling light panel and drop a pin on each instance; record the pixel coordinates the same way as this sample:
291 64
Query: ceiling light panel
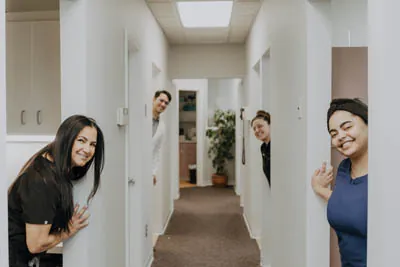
207 14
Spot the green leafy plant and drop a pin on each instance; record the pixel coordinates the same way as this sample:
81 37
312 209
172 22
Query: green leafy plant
222 139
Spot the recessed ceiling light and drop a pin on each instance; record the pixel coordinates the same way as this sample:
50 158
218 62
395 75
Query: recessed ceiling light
205 14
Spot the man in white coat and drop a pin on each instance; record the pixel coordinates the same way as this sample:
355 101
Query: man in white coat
161 101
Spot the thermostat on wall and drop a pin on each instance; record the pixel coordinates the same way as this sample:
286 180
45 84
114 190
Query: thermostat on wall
122 116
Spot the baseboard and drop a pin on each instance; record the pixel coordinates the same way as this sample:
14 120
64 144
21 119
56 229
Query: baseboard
205 184
258 240
150 260
248 226
166 223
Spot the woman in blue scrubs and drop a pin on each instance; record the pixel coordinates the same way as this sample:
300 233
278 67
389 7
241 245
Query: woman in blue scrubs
347 210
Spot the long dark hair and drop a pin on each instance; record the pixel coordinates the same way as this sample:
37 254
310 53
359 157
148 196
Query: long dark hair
60 152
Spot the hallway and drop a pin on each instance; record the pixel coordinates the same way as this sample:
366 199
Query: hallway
207 229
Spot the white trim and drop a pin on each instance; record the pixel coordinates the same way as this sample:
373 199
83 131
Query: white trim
157 235
150 261
128 245
166 223
258 240
29 138
248 226
33 16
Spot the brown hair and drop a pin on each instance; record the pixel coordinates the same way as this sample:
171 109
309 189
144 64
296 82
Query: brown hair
261 114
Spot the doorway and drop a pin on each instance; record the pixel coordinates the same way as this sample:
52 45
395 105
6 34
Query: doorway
349 80
187 139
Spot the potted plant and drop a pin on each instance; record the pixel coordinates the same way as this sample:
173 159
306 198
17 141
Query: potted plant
222 139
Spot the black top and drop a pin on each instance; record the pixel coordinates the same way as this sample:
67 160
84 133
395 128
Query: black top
266 155
33 199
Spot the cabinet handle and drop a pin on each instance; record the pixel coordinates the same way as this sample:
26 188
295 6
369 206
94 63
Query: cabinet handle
39 117
22 117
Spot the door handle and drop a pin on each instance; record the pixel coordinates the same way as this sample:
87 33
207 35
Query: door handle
39 117
131 181
22 117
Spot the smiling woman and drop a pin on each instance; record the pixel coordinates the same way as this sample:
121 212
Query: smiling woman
347 121
261 124
41 210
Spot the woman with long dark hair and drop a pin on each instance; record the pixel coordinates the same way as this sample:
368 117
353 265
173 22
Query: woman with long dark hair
41 210
347 211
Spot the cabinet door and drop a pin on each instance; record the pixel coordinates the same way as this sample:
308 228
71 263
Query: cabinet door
182 162
46 81
18 65
191 153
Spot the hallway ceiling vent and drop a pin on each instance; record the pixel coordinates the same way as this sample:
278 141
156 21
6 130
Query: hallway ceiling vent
205 14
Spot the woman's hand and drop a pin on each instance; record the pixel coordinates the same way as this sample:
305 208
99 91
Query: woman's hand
322 177
79 220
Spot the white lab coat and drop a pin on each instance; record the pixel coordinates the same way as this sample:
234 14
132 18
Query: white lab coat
157 141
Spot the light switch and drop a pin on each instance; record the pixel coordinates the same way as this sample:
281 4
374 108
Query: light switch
122 116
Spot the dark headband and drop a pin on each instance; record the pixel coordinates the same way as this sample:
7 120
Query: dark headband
354 106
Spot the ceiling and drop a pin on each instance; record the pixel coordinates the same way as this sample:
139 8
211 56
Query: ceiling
166 13
243 15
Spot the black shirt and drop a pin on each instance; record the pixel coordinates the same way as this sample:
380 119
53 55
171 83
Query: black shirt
33 199
266 155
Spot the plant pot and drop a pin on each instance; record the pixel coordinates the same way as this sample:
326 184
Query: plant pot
219 180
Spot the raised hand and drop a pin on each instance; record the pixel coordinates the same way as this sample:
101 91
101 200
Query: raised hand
322 177
79 219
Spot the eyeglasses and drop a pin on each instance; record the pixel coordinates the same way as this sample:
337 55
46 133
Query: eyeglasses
163 101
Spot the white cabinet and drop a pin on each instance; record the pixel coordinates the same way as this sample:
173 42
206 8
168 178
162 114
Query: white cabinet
33 77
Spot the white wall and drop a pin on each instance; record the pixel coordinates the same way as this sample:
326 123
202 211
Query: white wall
222 94
3 180
152 51
298 36
239 144
162 190
93 66
384 143
349 27
206 61
169 173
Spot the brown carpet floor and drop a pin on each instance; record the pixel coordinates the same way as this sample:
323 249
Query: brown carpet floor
207 230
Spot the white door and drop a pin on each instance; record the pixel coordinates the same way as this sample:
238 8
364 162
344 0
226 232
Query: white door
133 163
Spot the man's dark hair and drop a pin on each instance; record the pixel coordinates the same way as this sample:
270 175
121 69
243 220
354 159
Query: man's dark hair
158 93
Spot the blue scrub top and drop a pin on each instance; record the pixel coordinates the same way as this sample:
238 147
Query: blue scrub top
348 213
